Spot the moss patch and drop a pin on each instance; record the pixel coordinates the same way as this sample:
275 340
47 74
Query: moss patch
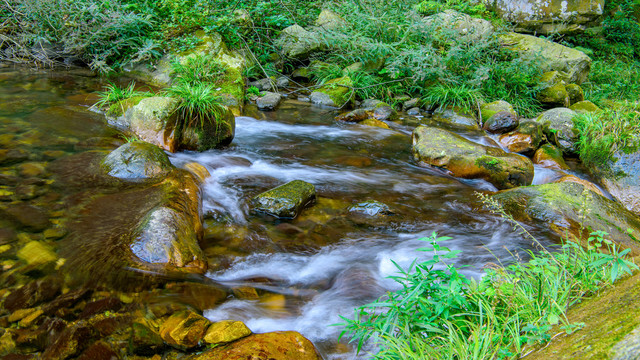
119 108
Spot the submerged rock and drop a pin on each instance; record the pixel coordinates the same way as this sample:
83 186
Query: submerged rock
184 329
573 64
137 160
286 201
370 208
568 206
469 160
281 345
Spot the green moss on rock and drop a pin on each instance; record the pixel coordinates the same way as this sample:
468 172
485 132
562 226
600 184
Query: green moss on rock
286 201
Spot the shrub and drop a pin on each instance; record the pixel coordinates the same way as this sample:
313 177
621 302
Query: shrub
198 105
197 69
113 94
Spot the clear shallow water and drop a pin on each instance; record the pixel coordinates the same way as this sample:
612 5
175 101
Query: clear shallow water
306 272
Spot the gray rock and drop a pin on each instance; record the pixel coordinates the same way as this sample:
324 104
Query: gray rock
489 109
628 348
622 179
501 122
413 111
370 104
371 208
464 27
282 82
328 20
137 161
409 104
285 201
268 101
453 120
298 43
265 84
559 128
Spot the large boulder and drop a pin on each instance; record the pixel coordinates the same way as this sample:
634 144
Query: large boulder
487 110
621 179
469 160
570 207
137 160
462 26
285 201
281 345
573 64
154 120
298 43
550 17
559 128
336 93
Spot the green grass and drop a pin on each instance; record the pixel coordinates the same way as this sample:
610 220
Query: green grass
603 134
198 106
197 69
114 94
441 314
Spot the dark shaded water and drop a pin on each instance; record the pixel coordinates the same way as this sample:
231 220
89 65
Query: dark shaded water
294 275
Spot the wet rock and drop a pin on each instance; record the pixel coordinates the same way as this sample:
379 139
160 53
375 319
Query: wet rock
144 340
32 294
31 339
31 169
148 121
100 350
574 179
100 306
370 208
27 217
37 253
573 64
70 342
28 192
285 201
628 348
559 128
569 207
371 104
298 43
137 161
575 92
55 233
384 112
501 122
282 82
13 156
452 119
281 345
466 159
555 17
335 93
550 157
53 154
184 329
7 344
413 111
223 332
356 115
301 74
462 26
411 103
67 300
374 123
7 236
268 101
525 139
489 109
584 107
8 180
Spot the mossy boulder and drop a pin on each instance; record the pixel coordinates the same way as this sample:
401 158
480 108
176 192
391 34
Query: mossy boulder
374 123
119 108
462 26
223 332
575 92
559 128
136 161
328 20
452 119
583 107
487 110
144 339
469 160
298 43
551 17
281 345
570 207
285 201
550 157
336 93
555 94
501 122
573 64
525 139
212 135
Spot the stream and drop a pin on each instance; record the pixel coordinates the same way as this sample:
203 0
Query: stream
308 272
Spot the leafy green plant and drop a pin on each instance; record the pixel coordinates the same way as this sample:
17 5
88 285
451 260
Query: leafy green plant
602 134
443 95
197 69
198 105
114 94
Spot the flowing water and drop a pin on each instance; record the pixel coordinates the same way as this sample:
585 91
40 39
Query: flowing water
300 274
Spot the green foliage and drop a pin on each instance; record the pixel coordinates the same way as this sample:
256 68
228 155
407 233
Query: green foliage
199 104
604 133
197 69
114 93
613 80
430 7
443 96
441 314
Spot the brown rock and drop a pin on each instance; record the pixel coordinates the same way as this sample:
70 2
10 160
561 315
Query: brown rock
71 342
587 184
100 306
280 345
28 217
549 156
355 116
525 139
184 329
144 340
374 123
35 339
31 294
12 156
100 350
501 122
65 301
226 331
200 296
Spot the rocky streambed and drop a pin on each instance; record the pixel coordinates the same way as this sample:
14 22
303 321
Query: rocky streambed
116 249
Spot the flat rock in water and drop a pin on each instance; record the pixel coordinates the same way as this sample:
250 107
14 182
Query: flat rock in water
469 160
268 101
137 161
286 201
